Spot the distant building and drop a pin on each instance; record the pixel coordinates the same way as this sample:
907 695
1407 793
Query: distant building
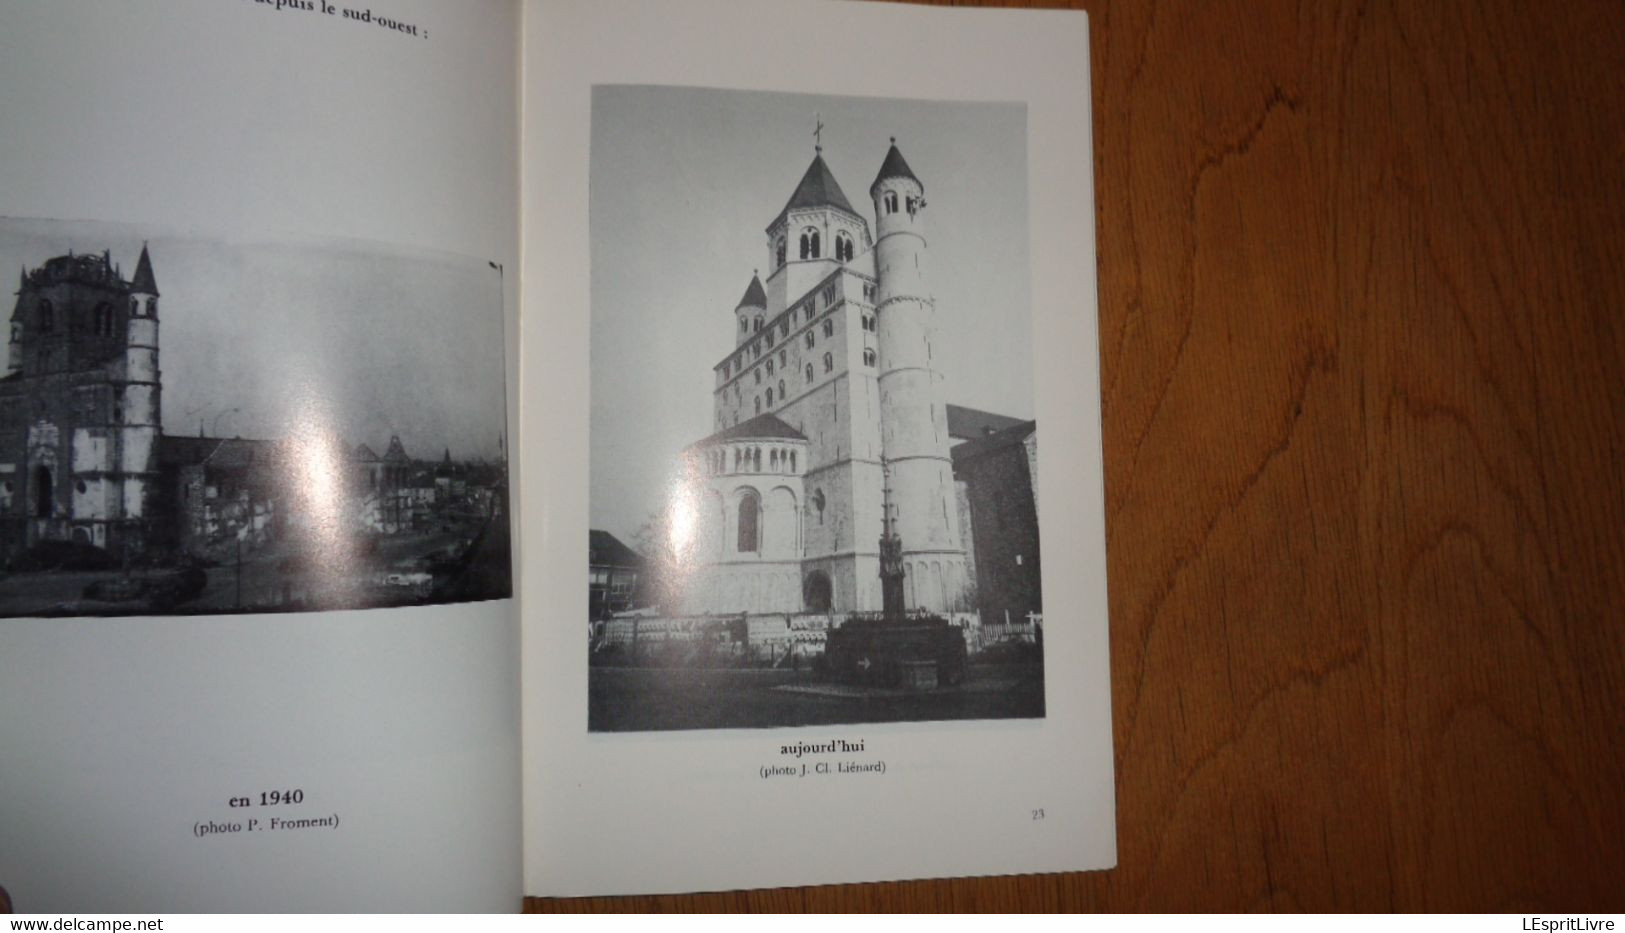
387 498
613 570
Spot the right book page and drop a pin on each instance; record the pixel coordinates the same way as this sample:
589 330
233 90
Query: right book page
814 577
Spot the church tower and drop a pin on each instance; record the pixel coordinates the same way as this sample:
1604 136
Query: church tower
920 493
816 234
138 418
751 311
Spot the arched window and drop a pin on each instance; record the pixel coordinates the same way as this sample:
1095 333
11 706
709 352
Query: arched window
44 493
770 396
809 372
770 366
829 327
784 357
829 362
749 523
782 394
758 374
816 591
744 324
891 202
806 247
817 502
756 459
46 318
756 325
811 340
135 307
815 250
792 461
773 459
758 404
868 356
778 252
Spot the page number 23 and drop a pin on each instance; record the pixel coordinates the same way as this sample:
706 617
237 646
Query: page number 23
1038 814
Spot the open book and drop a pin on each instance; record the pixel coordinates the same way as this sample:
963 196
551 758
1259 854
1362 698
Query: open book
457 451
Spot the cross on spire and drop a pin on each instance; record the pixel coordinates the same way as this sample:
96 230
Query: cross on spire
818 133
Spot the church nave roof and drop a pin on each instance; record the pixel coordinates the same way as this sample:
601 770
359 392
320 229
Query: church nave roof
761 427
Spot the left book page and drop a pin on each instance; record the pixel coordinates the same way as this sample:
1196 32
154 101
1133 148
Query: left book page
258 646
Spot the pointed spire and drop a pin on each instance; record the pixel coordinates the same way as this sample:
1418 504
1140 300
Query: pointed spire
144 283
755 294
895 166
818 188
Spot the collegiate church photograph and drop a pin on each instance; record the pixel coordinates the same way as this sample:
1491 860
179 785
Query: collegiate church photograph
209 425
813 423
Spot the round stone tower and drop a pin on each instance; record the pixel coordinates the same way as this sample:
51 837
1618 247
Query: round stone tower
920 493
139 421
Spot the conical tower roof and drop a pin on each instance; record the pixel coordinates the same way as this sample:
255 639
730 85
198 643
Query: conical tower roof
755 294
818 188
895 166
144 283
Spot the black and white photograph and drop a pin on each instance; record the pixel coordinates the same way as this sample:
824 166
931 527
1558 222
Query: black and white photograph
209 425
813 448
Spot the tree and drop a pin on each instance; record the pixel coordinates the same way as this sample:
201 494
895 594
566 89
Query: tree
661 582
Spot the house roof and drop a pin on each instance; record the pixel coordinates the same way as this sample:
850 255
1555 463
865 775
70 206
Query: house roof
180 450
144 283
226 453
895 166
982 446
761 427
968 424
236 453
818 188
605 548
755 294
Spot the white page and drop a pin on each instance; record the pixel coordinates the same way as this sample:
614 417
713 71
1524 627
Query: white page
235 133
643 810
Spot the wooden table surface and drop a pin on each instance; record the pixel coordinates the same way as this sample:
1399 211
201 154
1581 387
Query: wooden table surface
1362 316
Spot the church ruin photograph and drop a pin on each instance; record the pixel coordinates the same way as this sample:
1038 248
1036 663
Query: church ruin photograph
193 425
814 448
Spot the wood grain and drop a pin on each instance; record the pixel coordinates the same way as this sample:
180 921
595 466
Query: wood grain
1362 273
